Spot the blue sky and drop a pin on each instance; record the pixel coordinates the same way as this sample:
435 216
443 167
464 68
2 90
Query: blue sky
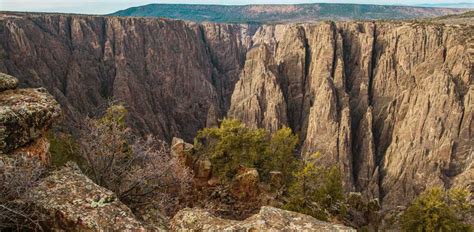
109 6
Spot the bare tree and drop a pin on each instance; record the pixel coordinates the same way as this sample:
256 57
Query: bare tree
18 175
138 170
154 174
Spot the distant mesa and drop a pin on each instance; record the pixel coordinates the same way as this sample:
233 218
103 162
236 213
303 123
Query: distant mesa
287 13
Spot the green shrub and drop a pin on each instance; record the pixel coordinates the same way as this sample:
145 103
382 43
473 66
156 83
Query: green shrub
313 190
316 191
280 154
233 145
438 210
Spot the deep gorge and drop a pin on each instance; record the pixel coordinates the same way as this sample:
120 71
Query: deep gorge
390 102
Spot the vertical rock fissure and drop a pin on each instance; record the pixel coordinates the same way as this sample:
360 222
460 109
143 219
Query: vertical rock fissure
334 54
372 69
69 32
333 73
103 36
307 63
461 120
214 66
372 64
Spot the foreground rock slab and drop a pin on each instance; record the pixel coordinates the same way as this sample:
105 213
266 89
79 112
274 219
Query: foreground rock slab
268 219
75 203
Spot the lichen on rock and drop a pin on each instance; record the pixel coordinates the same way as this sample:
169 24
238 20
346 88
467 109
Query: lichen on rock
268 219
74 202
7 82
25 114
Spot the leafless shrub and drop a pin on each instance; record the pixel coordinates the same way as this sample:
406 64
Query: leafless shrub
18 175
139 171
104 147
155 174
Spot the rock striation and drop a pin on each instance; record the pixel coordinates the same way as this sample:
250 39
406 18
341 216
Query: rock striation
386 102
268 219
390 103
170 74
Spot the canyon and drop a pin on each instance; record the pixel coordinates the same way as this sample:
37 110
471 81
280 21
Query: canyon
390 103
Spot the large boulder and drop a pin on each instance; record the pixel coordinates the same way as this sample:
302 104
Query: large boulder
25 114
268 219
7 82
73 202
245 183
181 150
201 166
203 169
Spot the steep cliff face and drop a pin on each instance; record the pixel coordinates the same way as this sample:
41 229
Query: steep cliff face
169 74
421 91
389 103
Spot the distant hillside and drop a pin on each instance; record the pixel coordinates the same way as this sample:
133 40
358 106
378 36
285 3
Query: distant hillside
449 5
284 13
464 18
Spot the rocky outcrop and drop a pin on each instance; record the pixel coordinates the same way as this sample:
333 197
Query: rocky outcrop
245 184
75 203
419 89
259 101
268 219
390 103
201 166
25 115
66 199
7 82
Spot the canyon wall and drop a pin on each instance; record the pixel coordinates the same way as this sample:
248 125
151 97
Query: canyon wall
169 74
391 103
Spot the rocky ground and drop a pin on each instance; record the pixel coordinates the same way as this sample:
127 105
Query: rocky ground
268 219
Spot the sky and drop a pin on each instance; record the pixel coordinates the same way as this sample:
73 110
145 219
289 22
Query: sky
109 6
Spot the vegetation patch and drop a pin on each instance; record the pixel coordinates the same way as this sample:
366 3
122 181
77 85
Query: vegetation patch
437 209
